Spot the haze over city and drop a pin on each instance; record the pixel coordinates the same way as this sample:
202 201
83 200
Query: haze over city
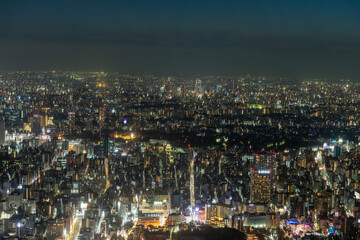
296 39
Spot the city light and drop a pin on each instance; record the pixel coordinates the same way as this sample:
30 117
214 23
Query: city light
256 157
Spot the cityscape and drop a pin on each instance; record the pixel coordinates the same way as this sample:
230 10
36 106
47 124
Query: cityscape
94 155
179 120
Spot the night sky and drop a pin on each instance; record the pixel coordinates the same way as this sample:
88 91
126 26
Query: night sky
299 39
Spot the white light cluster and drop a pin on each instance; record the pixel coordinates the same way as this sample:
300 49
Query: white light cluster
264 171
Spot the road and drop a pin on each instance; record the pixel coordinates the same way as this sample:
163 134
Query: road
75 229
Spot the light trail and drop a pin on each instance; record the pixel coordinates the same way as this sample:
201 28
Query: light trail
74 229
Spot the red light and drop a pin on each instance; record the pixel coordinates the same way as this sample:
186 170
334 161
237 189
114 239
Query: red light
252 170
269 169
189 145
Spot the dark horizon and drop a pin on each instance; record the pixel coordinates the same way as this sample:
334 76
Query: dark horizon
284 38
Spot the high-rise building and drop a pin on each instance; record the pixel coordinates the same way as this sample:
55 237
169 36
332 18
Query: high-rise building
46 117
198 88
102 114
260 186
36 123
2 133
262 172
71 121
43 121
107 145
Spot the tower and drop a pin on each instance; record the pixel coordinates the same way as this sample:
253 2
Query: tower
2 133
192 178
198 88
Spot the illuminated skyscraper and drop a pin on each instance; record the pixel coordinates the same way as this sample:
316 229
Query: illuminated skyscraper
107 145
2 133
102 115
261 177
71 121
192 178
46 117
198 88
260 186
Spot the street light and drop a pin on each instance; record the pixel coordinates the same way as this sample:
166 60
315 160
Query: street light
18 225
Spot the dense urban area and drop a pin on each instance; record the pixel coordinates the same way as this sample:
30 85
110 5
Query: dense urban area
94 155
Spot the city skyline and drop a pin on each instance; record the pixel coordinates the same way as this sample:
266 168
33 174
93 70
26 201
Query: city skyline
181 120
110 156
